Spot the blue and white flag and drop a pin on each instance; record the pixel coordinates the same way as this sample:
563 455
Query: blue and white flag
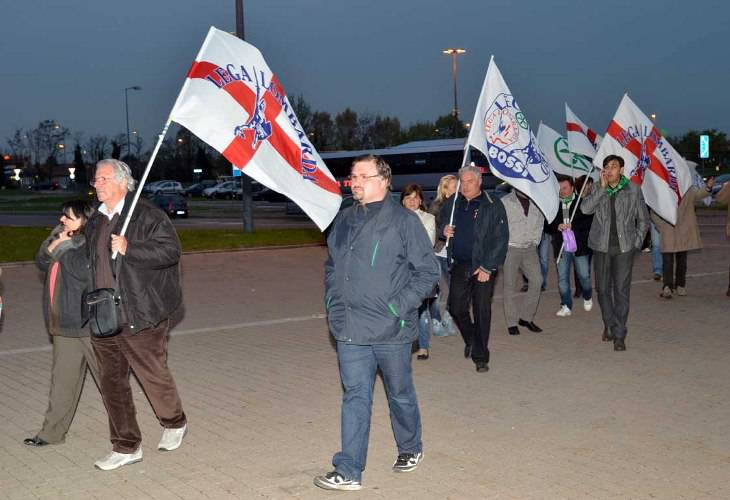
501 132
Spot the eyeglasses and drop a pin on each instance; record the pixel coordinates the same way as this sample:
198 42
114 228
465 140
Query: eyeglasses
100 180
363 178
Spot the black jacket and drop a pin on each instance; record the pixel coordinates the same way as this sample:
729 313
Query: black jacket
377 277
149 276
581 228
491 232
66 316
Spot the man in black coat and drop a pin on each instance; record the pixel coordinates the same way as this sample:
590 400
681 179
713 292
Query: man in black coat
381 266
146 270
478 242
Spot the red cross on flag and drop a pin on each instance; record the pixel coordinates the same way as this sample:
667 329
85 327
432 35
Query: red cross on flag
233 102
650 160
581 138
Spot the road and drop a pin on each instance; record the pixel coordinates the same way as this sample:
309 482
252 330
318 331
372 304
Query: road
560 415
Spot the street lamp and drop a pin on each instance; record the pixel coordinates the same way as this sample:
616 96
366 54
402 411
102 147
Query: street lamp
454 52
126 110
62 147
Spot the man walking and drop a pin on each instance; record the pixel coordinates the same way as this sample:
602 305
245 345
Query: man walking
620 223
381 267
526 223
477 247
146 269
570 204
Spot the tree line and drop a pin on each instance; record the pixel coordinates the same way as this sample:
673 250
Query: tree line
42 148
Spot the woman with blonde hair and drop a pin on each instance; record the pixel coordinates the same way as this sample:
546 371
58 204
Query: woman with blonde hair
443 324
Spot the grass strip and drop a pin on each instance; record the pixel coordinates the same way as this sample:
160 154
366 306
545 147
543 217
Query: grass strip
18 244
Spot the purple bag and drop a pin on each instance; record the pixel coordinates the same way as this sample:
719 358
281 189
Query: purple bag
569 243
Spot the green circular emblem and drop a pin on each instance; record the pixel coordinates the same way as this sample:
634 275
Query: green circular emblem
521 120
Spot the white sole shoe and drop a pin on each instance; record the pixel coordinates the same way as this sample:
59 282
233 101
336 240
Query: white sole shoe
115 460
172 438
588 305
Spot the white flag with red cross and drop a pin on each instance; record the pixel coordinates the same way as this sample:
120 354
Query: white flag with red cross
235 103
582 139
650 160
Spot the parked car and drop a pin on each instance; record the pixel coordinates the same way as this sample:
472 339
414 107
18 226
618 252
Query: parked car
150 186
224 190
197 188
173 204
168 187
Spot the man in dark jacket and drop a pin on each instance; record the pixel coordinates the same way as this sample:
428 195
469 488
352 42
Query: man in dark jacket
478 245
146 269
619 225
381 267
581 226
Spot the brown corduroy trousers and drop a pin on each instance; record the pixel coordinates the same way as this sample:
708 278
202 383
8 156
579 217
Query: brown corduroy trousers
144 353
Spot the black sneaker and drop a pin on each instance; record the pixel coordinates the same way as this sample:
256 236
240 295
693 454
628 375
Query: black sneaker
336 481
406 462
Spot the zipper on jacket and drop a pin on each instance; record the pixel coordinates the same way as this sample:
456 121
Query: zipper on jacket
375 252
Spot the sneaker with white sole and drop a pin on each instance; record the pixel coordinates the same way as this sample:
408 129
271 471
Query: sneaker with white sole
587 304
406 462
336 481
114 460
172 438
681 291
564 311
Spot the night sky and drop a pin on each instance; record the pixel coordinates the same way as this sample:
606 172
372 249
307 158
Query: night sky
70 61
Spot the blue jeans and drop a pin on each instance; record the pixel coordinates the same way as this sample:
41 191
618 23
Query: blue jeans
544 252
582 268
424 323
358 364
656 249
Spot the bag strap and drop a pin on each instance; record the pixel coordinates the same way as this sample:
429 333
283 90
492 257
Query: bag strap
117 265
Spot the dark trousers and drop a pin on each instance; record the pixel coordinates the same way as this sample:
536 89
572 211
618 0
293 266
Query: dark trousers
674 277
145 353
613 288
466 293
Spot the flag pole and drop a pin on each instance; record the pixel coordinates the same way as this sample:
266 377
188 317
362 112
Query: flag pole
580 197
161 137
464 161
142 181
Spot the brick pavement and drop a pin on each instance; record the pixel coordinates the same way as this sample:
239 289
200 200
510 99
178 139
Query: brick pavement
559 415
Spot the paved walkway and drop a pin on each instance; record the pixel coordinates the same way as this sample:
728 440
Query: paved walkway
558 416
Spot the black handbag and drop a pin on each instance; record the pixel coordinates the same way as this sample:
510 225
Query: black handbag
105 309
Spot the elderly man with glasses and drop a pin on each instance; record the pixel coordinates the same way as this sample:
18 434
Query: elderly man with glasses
147 273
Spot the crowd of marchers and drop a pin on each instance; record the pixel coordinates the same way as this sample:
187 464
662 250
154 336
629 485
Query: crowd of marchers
396 274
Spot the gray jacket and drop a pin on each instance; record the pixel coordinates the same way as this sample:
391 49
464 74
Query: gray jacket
377 276
632 218
523 231
66 315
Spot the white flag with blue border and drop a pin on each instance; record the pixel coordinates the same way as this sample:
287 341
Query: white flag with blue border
501 132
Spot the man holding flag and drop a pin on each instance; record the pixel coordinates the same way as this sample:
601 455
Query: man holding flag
619 225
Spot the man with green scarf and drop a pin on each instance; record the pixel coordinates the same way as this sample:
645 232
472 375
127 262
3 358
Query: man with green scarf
619 225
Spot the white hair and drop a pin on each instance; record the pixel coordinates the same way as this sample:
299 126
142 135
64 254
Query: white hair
474 170
122 172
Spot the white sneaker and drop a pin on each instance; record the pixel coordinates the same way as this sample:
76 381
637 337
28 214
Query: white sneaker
115 460
172 438
588 305
564 311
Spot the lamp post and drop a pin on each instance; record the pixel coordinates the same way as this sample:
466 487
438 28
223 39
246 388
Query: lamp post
454 52
126 110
